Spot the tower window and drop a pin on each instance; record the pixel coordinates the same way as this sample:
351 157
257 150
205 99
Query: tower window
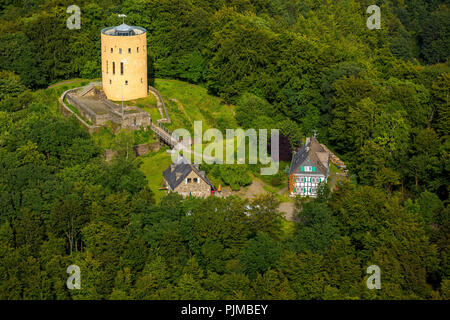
137 49
120 50
126 82
129 50
114 67
110 81
121 68
112 50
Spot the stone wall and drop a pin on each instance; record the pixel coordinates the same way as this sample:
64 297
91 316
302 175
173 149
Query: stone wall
196 189
66 111
143 149
136 120
133 117
140 150
82 108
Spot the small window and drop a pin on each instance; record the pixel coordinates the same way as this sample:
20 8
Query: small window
120 50
195 180
107 66
126 82
114 67
129 50
112 50
121 68
110 81
137 49
189 180
141 81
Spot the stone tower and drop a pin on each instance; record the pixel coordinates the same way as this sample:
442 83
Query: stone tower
124 62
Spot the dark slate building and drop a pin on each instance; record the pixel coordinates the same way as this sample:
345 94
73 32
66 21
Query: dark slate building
187 179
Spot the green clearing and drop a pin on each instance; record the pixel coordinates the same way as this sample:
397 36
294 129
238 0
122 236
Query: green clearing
148 104
185 103
153 165
284 197
197 105
50 96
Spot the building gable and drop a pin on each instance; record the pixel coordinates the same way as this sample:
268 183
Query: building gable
192 181
311 158
177 174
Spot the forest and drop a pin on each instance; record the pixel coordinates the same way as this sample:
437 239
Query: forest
378 98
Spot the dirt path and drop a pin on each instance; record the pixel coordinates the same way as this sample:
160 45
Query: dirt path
158 104
288 210
253 190
283 190
256 189
63 82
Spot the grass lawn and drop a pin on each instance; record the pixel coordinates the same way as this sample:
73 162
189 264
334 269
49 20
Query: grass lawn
275 191
50 96
194 104
185 103
148 104
153 165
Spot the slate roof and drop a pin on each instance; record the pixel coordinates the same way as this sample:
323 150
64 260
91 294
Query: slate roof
176 173
313 150
298 158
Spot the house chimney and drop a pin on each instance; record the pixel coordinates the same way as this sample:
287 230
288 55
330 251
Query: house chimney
308 140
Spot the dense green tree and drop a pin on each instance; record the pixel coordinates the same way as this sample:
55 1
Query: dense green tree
261 254
436 28
18 54
317 228
302 67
